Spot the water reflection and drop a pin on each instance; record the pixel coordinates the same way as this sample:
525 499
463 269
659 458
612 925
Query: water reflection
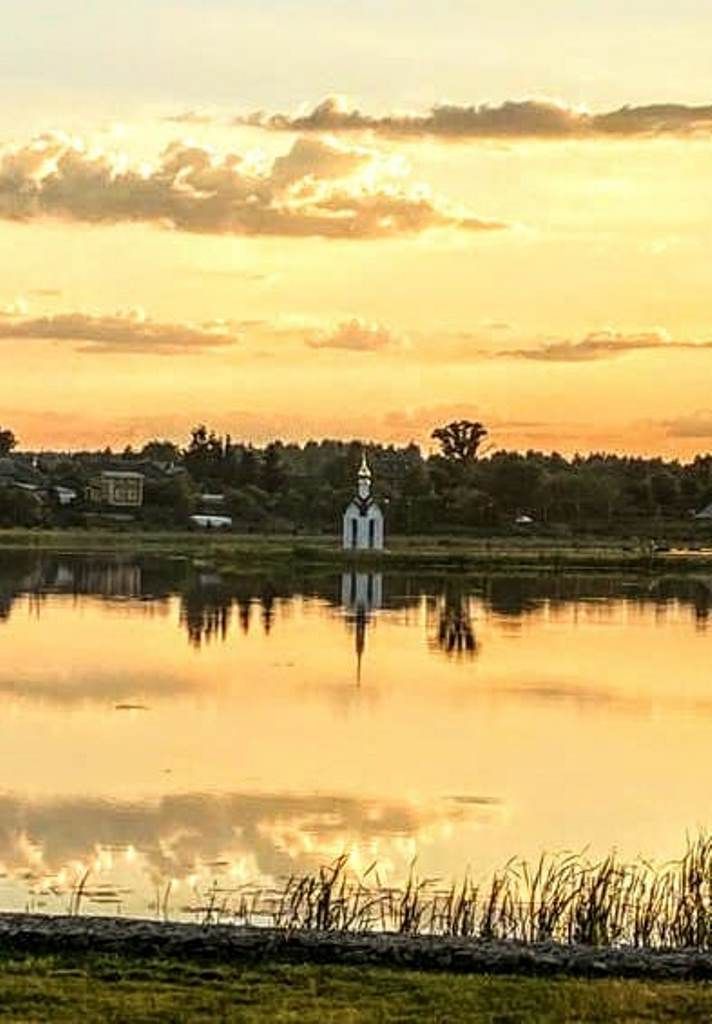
187 838
454 634
361 595
167 724
211 603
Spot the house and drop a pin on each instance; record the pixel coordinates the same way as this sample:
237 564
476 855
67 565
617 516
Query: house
363 523
16 472
116 489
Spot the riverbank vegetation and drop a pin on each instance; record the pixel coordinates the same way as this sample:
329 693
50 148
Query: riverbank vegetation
284 553
569 899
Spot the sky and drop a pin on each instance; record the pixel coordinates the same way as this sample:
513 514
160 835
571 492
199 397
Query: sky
356 219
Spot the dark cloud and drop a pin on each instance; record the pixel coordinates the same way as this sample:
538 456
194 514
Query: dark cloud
317 188
603 345
523 119
129 332
356 336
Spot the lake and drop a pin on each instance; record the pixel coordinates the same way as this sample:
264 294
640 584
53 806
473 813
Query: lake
167 730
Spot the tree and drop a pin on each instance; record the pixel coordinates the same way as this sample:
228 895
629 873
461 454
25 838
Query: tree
271 474
205 456
513 480
8 442
167 502
460 440
160 451
19 508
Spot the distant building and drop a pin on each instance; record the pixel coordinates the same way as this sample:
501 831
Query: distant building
206 521
64 495
116 489
363 527
19 472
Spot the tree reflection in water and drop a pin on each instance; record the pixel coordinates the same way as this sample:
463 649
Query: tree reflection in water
207 607
205 618
454 635
212 605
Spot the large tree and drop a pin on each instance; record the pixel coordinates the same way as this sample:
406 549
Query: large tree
160 451
8 441
460 440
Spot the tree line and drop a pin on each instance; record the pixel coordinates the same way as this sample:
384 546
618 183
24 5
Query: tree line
467 485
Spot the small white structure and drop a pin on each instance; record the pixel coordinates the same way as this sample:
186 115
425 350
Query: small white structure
363 519
205 521
65 495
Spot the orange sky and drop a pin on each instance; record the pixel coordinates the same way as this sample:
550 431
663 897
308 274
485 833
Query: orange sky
540 263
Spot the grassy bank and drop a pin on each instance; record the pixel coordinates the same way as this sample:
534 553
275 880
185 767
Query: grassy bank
90 988
234 552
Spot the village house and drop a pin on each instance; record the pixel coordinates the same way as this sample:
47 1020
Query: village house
116 489
20 473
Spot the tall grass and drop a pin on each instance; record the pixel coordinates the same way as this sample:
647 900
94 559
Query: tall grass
566 898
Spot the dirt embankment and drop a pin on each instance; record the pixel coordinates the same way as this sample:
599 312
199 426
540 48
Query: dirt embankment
28 933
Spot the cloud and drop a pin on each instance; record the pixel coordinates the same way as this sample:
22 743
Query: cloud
497 325
178 834
513 119
190 116
123 332
18 307
421 420
604 345
357 336
697 424
317 188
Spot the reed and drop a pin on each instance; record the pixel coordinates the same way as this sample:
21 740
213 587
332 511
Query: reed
562 898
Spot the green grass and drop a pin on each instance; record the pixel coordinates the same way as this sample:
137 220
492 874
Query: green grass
122 989
236 552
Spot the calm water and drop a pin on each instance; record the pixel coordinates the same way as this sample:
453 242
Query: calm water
161 723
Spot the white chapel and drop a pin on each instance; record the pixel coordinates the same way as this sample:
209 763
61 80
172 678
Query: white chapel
363 519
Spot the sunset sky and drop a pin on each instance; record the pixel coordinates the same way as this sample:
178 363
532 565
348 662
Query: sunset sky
307 218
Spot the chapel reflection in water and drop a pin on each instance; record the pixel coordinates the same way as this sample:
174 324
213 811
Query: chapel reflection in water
361 595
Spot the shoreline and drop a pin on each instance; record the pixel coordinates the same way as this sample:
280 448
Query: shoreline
233 553
34 934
